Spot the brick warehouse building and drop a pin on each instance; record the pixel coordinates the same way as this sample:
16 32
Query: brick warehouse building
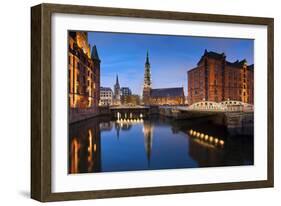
216 79
84 72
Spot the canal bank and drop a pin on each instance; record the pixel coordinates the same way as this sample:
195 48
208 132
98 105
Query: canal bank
237 122
77 115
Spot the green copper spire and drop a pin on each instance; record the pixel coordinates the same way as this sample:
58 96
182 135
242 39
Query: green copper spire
95 55
147 58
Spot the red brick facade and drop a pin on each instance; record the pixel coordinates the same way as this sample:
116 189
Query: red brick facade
215 79
84 72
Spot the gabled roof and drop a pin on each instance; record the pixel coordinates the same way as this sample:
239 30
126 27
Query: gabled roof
95 55
251 67
211 54
125 88
237 63
167 92
105 89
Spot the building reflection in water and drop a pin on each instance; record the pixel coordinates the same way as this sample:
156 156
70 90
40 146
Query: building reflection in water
117 129
206 139
106 126
192 144
148 138
211 151
127 124
85 148
74 156
206 149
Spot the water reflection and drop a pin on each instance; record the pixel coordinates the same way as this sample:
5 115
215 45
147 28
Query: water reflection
148 137
101 145
74 155
206 139
85 148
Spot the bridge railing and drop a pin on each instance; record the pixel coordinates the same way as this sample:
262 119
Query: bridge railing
226 106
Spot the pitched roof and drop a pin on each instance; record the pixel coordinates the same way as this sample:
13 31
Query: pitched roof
167 92
211 54
237 63
251 67
105 89
95 55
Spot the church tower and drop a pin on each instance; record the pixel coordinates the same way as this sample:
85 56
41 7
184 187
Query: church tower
147 81
117 92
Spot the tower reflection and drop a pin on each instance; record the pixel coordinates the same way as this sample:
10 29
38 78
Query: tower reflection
148 138
93 145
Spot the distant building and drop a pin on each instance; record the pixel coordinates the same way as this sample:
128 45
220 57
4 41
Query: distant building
106 96
83 72
126 91
123 95
167 96
132 99
117 93
162 96
216 79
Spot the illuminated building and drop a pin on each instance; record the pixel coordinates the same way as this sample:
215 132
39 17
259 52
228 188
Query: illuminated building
84 72
216 79
167 96
161 96
106 96
132 99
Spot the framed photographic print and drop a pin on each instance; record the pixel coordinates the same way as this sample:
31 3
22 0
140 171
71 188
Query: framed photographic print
132 102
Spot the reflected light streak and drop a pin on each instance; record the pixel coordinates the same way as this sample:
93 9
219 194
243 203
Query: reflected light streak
90 150
206 138
75 146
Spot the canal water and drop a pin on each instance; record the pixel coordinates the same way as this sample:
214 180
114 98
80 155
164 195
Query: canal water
105 145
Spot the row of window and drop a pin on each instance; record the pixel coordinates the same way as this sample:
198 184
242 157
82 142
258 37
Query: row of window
84 92
81 65
105 95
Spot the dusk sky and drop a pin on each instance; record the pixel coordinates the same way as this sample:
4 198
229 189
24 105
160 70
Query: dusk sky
170 57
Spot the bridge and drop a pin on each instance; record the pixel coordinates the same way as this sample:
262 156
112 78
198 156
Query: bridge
205 108
235 115
130 112
231 113
224 106
198 109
